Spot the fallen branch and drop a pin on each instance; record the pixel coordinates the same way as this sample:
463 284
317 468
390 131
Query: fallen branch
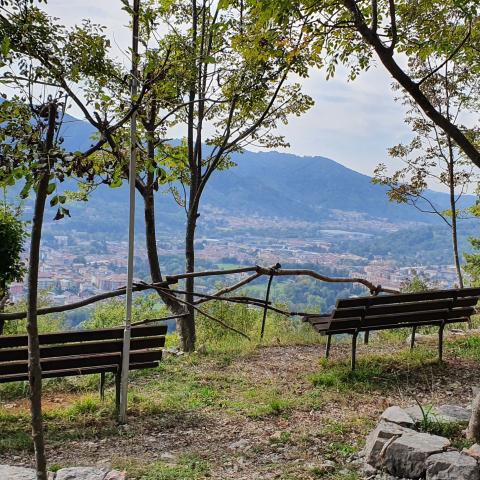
236 286
257 302
205 314
172 279
79 304
374 289
153 320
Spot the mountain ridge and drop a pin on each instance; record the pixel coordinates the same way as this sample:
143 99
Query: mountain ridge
275 184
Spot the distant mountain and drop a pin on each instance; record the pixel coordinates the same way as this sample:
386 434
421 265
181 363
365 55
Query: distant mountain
267 184
308 187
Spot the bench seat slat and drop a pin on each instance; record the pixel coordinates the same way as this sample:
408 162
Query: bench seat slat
82 348
81 361
392 326
77 371
83 336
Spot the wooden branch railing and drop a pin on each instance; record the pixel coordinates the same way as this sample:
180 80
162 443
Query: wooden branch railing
257 271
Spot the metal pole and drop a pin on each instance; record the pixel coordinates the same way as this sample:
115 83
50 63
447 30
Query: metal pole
122 414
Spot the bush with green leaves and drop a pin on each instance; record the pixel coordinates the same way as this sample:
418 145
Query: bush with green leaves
12 239
112 313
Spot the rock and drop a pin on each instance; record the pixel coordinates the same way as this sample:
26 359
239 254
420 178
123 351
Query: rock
415 412
473 451
452 466
405 456
368 471
17 473
378 438
81 473
445 413
116 475
453 414
173 351
397 415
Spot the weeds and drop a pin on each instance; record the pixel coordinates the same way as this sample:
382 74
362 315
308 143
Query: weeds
187 467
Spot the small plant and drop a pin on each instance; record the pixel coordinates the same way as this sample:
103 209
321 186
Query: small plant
431 423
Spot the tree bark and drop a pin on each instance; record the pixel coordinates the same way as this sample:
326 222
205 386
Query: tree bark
453 208
34 366
151 244
187 324
473 430
148 195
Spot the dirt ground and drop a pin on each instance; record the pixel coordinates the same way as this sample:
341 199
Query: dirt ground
314 435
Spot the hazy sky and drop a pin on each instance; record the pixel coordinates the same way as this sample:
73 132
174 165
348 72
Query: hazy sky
352 122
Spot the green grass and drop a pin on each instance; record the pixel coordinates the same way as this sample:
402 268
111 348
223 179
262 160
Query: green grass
373 372
188 467
468 348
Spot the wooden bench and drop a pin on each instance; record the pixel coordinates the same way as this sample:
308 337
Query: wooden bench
383 312
83 352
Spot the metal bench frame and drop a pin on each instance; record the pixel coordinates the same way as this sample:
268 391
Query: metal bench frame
384 312
83 352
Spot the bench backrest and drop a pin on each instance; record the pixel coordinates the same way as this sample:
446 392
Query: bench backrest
396 311
81 352
452 293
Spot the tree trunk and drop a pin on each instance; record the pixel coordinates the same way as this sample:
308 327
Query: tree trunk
34 367
151 244
456 256
187 324
473 430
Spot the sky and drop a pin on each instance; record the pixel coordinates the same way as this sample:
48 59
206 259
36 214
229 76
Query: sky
352 123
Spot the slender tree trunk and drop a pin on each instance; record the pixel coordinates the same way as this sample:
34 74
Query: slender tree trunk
453 208
148 195
34 367
151 244
187 324
473 430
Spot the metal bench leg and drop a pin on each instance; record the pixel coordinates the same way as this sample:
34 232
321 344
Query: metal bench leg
440 343
354 350
117 390
329 344
102 386
412 341
366 337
